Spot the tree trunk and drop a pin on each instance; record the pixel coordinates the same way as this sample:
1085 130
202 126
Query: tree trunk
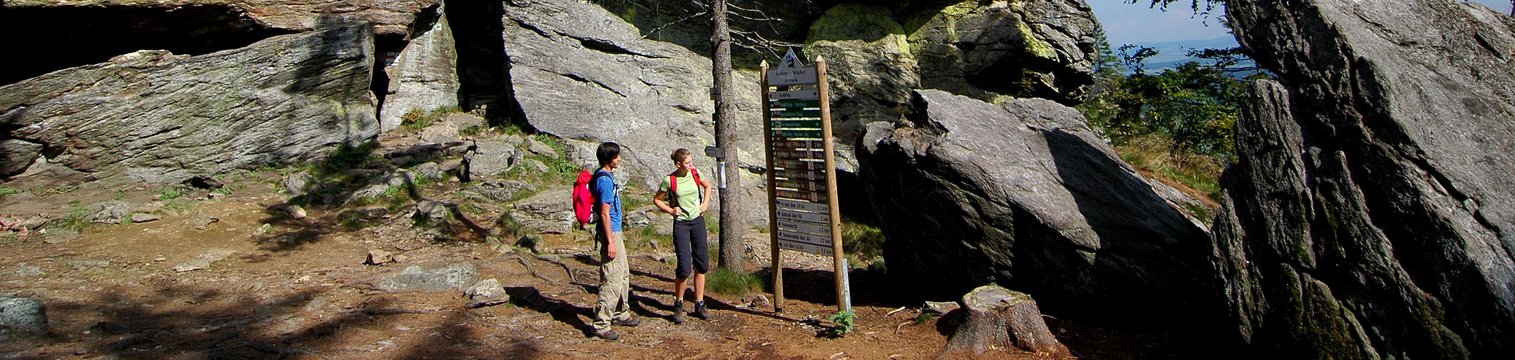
725 138
1512 7
999 319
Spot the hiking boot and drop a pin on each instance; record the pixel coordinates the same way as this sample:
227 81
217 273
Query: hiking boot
699 310
608 335
678 312
629 322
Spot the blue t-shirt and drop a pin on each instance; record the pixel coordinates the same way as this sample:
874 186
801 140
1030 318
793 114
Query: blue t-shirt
607 194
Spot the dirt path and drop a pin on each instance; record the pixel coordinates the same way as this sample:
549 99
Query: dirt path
302 291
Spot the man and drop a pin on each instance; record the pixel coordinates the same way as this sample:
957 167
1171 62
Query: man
613 306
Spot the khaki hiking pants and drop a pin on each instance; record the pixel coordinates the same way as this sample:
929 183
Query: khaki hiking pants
615 285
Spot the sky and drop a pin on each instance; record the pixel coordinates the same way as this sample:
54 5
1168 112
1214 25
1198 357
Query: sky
1136 23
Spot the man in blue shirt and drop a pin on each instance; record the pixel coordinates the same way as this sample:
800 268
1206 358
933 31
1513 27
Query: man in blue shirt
613 306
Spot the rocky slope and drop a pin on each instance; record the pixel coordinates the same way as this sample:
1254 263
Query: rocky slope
1371 213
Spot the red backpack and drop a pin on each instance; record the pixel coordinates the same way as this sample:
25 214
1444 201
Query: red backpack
673 186
583 199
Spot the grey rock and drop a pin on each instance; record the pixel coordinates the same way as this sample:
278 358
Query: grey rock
590 77
498 191
867 54
1027 49
159 117
144 217
201 221
454 277
26 316
390 17
204 260
110 212
315 304
82 265
442 132
297 183
547 211
1374 191
263 229
367 194
424 75
429 170
537 166
295 211
491 157
540 148
1025 193
379 257
486 293
25 270
17 155
431 210
464 121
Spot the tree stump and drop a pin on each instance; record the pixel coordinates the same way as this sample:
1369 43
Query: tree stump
999 319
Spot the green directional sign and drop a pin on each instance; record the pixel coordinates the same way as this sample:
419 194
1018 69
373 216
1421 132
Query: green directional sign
796 124
795 103
793 113
797 134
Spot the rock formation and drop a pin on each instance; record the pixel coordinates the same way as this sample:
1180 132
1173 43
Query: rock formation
424 74
159 117
1370 215
582 74
1025 195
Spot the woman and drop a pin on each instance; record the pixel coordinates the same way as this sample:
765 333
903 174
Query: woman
686 196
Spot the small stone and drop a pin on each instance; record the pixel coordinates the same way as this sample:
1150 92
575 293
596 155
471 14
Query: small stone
143 218
296 183
263 230
540 148
110 212
760 301
26 316
379 257
160 258
401 258
538 166
27 271
215 195
486 293
202 221
295 211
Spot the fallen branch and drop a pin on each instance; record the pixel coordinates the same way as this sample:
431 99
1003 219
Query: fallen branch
901 325
902 308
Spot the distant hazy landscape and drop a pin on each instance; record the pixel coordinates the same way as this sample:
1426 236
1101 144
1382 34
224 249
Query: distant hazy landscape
1170 54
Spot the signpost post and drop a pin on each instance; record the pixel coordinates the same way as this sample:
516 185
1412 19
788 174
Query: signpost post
802 206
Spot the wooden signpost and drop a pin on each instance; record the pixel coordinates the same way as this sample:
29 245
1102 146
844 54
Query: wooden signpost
802 205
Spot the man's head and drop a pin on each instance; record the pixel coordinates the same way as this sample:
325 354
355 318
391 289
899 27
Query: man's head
609 155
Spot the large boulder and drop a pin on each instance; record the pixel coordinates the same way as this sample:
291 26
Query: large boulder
584 75
1371 212
424 75
390 17
1025 195
869 62
161 117
990 51
1041 48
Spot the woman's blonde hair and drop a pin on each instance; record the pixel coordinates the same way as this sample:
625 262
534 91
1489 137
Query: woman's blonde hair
679 155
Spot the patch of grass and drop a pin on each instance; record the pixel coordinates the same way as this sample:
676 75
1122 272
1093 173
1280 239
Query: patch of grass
647 237
510 227
1194 174
77 219
732 282
862 243
416 119
224 190
171 193
7 191
925 317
